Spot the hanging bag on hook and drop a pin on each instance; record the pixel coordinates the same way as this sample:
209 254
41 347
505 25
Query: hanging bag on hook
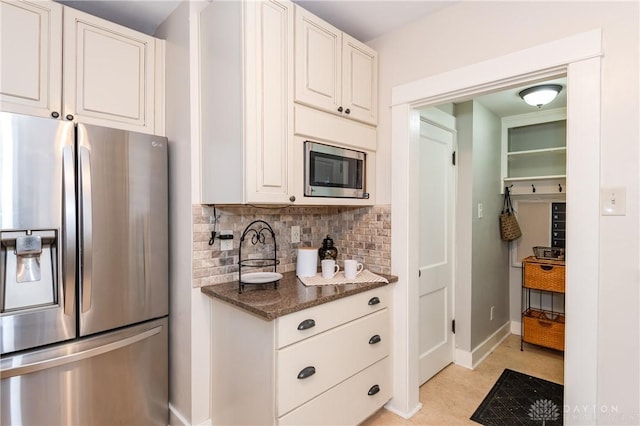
509 227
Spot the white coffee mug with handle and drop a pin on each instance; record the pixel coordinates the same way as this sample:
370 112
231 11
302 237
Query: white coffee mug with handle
329 268
352 268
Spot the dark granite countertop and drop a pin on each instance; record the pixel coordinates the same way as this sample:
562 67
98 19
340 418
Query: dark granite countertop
290 296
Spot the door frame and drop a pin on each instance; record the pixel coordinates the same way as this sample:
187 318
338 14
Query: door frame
577 56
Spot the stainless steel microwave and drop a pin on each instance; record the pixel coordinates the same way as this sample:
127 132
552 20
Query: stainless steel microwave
331 171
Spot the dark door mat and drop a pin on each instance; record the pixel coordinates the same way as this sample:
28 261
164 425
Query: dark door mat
520 399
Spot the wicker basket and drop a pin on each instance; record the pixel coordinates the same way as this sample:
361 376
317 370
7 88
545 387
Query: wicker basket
543 275
548 253
543 328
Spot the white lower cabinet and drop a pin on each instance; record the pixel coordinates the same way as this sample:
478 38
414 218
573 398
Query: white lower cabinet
330 358
325 365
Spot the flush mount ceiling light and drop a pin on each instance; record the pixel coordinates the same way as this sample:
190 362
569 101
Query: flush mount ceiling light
540 95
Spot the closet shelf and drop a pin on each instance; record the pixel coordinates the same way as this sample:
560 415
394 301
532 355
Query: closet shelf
526 178
532 152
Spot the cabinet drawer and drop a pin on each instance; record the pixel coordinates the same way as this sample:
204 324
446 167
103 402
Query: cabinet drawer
309 322
349 403
329 358
542 276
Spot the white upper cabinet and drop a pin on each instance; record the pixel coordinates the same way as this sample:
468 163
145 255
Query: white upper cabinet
109 73
359 80
334 72
246 88
31 62
60 62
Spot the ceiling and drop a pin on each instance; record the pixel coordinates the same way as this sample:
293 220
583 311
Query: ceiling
366 19
362 19
508 102
141 15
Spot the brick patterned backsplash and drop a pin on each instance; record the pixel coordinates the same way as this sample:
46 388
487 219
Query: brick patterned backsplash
362 233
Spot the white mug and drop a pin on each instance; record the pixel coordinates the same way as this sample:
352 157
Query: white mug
329 268
352 268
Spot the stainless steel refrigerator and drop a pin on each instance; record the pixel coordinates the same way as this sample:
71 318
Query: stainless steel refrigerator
84 270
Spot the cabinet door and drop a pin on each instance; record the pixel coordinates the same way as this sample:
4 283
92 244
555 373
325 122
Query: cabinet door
31 62
318 62
359 80
269 108
109 73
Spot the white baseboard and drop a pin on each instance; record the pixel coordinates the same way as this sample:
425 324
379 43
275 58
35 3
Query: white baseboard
472 359
177 419
516 328
402 414
463 358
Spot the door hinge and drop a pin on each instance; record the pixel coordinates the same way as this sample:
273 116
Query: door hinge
453 326
453 158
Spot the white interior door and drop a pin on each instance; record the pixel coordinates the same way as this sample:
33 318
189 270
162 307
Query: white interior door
437 195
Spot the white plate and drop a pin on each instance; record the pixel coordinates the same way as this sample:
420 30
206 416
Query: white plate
260 277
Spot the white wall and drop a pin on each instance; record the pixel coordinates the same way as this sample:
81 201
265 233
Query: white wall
175 31
450 39
490 285
464 226
189 344
482 259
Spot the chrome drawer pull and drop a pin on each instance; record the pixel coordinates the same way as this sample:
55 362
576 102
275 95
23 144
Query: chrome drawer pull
374 390
375 339
374 301
306 372
306 324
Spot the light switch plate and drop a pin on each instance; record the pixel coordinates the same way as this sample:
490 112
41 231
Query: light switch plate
613 201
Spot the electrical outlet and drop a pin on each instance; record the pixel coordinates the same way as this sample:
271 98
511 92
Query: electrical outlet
226 245
295 234
480 211
491 314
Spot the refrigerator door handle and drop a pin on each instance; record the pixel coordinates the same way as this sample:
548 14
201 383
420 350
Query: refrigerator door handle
32 367
86 248
69 231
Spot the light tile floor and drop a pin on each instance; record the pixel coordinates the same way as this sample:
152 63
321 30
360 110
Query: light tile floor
452 395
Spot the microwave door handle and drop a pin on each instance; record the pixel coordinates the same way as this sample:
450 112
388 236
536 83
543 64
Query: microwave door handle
86 225
69 230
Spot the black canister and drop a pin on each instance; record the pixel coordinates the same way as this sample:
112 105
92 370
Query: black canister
327 251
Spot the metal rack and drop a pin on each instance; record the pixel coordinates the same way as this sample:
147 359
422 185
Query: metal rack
258 230
543 319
